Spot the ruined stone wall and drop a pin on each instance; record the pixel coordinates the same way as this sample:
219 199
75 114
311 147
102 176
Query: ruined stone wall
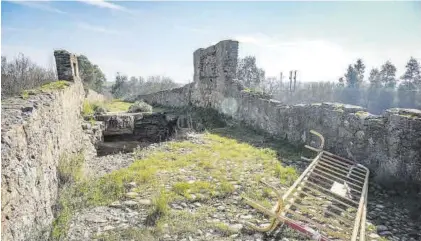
390 144
176 97
36 132
67 65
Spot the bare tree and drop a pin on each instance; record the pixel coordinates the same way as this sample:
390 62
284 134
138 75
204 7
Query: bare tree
21 73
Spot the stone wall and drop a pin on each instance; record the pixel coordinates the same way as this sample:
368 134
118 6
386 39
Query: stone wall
67 65
390 144
176 97
36 133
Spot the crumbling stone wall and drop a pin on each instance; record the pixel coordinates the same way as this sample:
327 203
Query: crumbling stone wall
176 97
389 144
67 65
36 132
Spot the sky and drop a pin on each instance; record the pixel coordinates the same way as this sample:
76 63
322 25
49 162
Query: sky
318 39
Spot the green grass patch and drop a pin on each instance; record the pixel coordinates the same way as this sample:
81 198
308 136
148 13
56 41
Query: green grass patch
52 86
117 105
56 85
287 175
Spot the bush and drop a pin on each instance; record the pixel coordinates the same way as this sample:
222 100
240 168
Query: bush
140 106
91 108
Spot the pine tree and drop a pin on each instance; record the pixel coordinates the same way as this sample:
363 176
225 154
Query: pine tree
388 75
351 77
411 78
375 78
359 68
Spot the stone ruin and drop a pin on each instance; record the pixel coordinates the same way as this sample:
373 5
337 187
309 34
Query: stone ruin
67 65
389 144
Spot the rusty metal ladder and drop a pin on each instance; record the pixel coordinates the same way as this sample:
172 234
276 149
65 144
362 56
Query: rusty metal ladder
327 202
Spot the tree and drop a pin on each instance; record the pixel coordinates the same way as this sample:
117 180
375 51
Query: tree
120 87
271 85
412 78
341 82
387 75
375 78
23 74
91 74
351 77
359 68
128 88
248 73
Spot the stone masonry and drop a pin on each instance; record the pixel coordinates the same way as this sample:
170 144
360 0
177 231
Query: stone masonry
67 65
389 144
36 133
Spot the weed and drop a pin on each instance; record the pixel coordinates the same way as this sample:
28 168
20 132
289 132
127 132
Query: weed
159 208
226 188
287 175
70 168
87 108
181 188
25 94
223 229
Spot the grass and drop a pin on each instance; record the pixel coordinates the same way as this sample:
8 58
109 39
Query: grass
89 107
223 229
70 170
185 189
117 105
70 167
287 175
52 86
217 163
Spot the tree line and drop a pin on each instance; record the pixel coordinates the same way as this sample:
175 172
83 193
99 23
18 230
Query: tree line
381 90
126 87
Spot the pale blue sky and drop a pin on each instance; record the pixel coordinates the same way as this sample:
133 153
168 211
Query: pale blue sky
319 39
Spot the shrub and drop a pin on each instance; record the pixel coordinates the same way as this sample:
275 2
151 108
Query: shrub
140 106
